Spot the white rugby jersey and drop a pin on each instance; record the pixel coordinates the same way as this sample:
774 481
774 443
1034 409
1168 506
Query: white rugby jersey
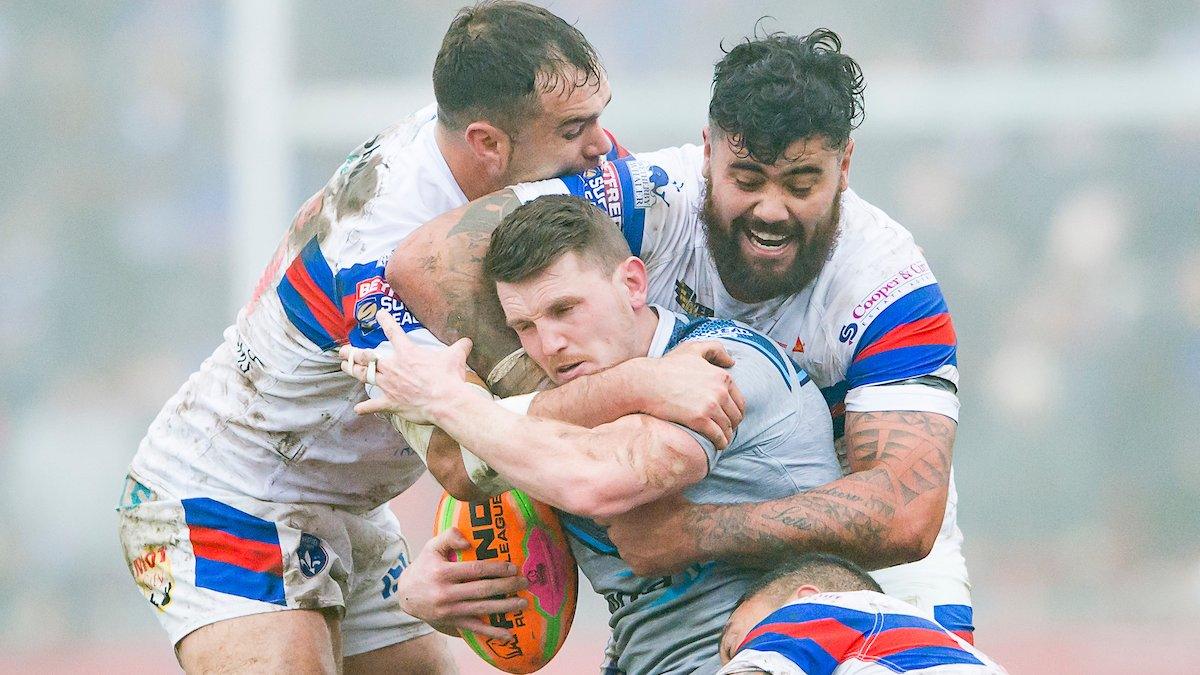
270 415
873 317
856 633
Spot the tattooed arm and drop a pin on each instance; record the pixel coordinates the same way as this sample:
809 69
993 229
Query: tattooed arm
887 511
438 271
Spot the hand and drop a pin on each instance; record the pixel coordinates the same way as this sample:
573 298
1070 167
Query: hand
655 539
415 379
453 596
691 386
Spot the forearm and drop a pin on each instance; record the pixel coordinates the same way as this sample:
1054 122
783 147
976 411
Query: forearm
886 512
589 472
592 400
445 461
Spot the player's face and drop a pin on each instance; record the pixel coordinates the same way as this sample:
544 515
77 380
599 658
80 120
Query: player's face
573 319
566 137
771 226
745 617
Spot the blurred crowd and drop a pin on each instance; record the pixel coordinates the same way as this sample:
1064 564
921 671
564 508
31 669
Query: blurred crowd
1070 258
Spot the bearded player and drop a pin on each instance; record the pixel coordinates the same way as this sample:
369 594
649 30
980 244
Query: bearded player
254 516
760 225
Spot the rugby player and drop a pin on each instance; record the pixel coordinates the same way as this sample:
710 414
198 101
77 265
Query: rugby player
254 515
760 225
576 299
824 614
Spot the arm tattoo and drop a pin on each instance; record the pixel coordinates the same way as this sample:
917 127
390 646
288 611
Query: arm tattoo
900 470
473 310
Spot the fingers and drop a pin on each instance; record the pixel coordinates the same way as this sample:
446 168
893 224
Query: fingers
393 331
479 627
717 355
463 347
490 590
738 400
714 429
448 543
731 409
469 570
374 405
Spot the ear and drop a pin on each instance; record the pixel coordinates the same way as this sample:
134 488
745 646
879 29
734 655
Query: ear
844 169
804 591
491 146
707 152
632 275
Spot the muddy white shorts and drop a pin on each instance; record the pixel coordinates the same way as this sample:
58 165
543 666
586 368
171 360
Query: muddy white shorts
201 560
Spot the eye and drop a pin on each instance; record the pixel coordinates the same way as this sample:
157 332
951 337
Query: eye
799 191
573 134
748 184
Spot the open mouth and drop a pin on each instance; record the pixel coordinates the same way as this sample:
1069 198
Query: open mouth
567 371
767 242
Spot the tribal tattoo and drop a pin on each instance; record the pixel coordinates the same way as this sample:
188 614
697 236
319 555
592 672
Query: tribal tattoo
887 511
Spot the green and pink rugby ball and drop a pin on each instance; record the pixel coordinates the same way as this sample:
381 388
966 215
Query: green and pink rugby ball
515 528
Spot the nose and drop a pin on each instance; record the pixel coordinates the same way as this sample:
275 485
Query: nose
552 341
598 143
771 207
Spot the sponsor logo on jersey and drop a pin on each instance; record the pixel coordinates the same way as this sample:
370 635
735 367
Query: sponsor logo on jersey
914 276
848 332
798 348
602 187
391 579
689 302
311 555
649 181
152 572
366 309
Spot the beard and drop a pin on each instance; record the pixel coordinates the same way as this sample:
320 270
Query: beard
750 280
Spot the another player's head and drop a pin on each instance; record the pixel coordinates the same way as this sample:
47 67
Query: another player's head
523 89
777 153
569 287
810 574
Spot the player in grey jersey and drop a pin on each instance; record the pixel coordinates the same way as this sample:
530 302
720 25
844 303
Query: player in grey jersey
577 301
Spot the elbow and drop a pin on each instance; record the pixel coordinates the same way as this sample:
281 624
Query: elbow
913 536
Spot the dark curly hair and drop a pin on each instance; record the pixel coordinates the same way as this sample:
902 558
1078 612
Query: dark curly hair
770 91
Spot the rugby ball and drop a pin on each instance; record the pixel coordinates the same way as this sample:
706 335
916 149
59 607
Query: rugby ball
518 529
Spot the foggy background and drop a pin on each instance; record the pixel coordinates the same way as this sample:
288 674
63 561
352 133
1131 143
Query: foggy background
1044 153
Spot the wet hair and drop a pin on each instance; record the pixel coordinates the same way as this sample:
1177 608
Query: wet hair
537 234
497 58
775 89
826 571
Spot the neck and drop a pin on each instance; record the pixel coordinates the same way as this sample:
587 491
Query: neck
645 323
470 175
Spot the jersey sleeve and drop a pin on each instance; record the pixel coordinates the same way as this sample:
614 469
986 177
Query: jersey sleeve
763 375
652 196
897 331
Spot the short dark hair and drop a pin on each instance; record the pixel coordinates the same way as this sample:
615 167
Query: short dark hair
535 235
774 90
499 55
826 571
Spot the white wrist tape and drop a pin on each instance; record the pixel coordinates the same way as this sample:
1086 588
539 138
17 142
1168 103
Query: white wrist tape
518 404
504 366
416 435
483 476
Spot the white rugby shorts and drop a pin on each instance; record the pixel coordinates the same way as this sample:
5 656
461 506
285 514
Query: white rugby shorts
202 560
